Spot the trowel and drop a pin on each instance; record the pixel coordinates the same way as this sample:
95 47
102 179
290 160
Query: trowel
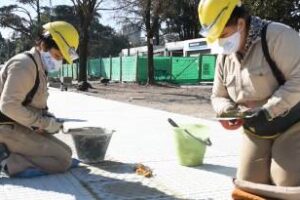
206 142
234 116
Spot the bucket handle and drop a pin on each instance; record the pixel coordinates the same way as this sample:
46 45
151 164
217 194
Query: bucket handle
206 142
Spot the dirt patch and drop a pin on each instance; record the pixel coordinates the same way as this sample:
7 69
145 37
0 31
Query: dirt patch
187 100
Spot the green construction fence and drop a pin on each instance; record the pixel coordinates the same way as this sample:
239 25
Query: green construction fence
185 70
162 69
93 67
178 70
207 68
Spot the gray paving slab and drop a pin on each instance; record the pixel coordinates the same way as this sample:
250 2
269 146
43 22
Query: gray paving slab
142 136
52 187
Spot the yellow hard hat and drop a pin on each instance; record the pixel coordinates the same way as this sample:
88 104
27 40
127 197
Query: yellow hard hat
66 37
213 16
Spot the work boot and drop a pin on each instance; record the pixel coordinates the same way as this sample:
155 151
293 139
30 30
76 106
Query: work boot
239 194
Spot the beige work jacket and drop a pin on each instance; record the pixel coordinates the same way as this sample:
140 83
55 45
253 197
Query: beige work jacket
250 82
17 78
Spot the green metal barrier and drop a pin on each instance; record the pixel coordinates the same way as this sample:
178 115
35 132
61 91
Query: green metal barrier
129 69
179 70
94 67
65 70
75 72
116 67
162 69
70 70
105 68
142 70
185 70
207 68
55 74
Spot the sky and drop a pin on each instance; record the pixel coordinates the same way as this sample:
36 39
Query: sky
107 16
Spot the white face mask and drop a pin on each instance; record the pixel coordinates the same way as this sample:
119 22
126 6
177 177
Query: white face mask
50 63
227 45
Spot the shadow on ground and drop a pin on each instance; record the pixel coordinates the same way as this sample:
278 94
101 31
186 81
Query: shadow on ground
219 169
116 180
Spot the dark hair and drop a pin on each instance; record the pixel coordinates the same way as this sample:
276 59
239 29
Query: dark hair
48 42
238 12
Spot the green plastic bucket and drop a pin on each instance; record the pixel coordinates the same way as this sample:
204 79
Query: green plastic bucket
190 143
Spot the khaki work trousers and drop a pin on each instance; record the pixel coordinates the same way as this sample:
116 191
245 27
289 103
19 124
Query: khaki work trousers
271 161
30 149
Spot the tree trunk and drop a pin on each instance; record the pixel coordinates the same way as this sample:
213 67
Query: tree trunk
38 10
151 80
83 53
157 37
149 43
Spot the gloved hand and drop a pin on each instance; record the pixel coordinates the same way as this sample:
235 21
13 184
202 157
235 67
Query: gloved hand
258 113
48 114
259 121
54 126
232 124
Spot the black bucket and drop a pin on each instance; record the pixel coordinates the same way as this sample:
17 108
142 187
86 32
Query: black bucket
91 143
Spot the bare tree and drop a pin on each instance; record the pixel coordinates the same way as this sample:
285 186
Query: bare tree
20 19
86 10
182 18
147 15
285 11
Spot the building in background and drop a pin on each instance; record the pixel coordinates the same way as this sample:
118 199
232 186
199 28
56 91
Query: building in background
133 32
187 48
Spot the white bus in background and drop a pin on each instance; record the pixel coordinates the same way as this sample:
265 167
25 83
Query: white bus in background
186 48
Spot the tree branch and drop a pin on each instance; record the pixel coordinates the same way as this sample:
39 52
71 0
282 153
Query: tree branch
26 12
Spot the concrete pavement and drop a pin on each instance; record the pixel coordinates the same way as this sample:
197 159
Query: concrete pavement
142 135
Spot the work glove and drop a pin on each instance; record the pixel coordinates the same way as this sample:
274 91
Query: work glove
257 112
259 121
54 126
47 114
232 124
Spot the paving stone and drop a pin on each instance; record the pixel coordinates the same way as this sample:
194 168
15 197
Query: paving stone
142 136
53 187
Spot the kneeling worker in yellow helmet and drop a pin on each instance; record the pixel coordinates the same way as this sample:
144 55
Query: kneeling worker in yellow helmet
26 127
258 80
